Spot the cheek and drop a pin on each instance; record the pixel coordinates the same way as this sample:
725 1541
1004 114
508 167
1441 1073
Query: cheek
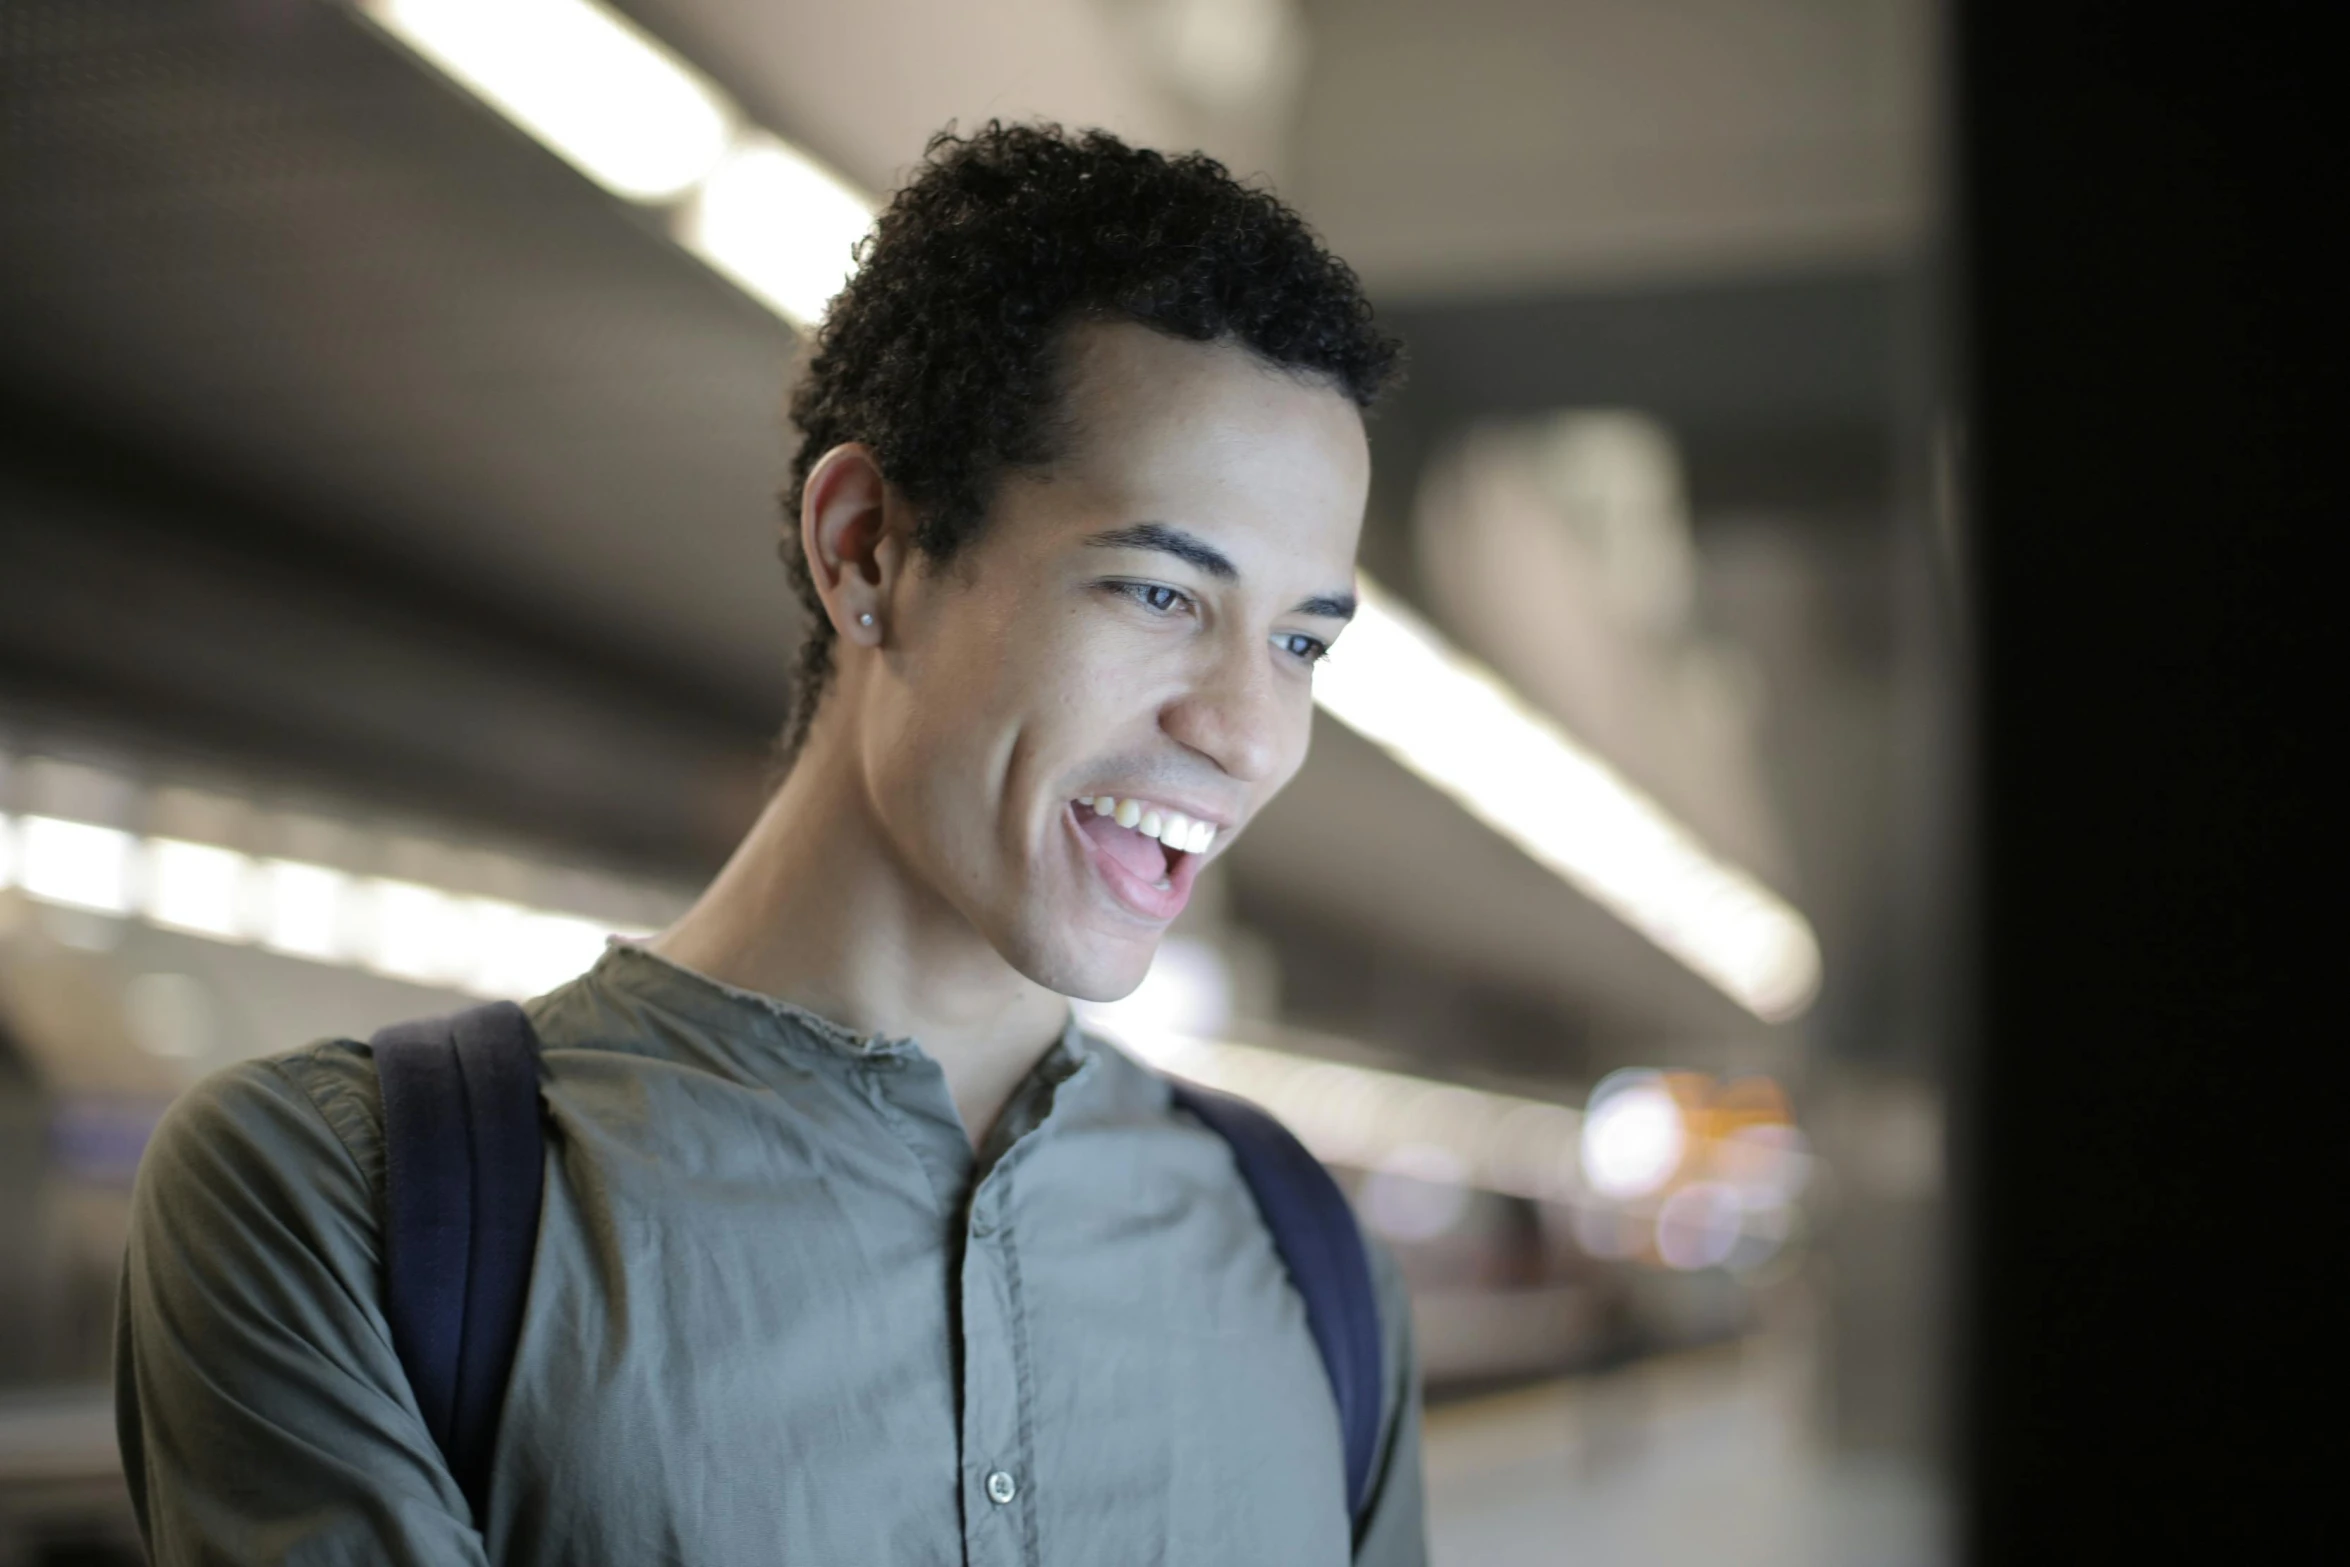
982 721
1297 738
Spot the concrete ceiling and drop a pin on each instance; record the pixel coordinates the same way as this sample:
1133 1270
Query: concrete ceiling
1512 146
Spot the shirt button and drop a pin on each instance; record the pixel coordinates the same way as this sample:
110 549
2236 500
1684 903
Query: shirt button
1001 1487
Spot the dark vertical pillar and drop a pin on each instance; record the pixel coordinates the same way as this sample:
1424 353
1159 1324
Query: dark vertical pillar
2149 1144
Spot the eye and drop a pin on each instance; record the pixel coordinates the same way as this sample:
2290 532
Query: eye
1298 645
1156 597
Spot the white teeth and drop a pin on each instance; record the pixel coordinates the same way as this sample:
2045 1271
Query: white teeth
1172 828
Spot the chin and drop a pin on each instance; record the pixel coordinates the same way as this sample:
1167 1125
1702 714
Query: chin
1087 966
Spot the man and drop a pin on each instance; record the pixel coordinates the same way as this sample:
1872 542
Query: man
853 1248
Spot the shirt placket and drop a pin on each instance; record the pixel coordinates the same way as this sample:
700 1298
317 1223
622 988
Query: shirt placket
999 1520
997 1439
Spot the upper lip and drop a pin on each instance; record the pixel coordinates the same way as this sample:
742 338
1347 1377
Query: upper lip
1190 808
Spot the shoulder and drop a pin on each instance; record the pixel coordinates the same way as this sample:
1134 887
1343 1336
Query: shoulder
257 1195
272 1130
316 1107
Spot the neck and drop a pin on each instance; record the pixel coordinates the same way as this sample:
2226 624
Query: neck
816 908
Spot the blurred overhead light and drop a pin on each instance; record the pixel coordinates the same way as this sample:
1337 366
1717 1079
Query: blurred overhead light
590 85
1633 1135
75 864
780 225
537 952
196 887
419 933
646 126
304 910
405 929
1457 725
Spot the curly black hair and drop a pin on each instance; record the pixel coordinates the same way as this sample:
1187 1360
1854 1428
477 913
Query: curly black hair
940 352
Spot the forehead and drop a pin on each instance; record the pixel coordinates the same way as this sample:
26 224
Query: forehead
1208 437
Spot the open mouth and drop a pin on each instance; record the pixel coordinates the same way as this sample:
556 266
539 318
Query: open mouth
1148 853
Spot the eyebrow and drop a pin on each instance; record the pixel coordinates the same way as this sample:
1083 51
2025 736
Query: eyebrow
1196 551
1169 541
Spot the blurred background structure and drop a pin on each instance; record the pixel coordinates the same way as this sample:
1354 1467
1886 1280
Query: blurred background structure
389 612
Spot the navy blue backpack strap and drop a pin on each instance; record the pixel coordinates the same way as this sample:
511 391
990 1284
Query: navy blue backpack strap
464 1164
1314 1230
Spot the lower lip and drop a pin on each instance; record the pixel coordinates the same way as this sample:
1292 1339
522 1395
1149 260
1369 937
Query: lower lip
1152 902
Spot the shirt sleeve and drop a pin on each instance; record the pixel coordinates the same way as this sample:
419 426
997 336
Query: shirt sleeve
1395 1527
263 1414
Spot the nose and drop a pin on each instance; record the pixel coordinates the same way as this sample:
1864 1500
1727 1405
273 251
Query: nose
1236 713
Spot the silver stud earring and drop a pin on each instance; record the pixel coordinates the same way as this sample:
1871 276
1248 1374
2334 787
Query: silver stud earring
865 619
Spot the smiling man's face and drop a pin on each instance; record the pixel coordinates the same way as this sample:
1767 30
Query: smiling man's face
1137 623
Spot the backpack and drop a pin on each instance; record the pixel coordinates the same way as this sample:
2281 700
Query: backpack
465 1159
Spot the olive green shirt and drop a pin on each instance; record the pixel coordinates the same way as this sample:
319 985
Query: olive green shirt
780 1312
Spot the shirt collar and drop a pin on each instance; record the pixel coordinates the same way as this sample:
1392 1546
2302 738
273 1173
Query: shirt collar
644 975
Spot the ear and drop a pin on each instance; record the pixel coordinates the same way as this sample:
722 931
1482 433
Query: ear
853 552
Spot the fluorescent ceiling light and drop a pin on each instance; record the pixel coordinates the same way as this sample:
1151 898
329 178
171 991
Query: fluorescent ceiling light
418 933
439 936
1457 725
196 887
646 126
76 864
303 910
482 945
590 85
537 952
780 225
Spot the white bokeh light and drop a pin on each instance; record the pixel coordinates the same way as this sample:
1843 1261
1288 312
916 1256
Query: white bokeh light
1633 1135
1699 1226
